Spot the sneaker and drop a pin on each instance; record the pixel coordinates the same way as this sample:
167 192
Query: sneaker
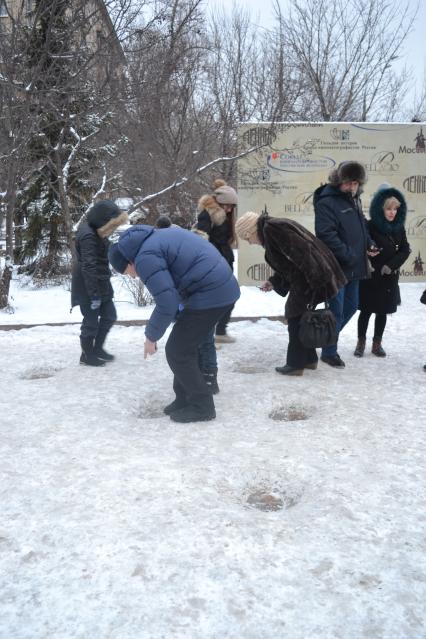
224 339
289 370
333 360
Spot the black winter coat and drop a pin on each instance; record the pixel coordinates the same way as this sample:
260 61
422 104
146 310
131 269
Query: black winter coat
380 294
91 273
216 226
301 262
341 225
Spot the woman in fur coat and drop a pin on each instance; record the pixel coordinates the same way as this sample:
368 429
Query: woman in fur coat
216 222
380 294
303 266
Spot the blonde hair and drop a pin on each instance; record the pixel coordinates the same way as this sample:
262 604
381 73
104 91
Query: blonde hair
390 201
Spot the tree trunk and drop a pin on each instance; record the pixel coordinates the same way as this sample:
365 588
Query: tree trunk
5 278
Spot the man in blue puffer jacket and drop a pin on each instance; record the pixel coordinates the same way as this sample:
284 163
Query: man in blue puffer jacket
341 225
193 286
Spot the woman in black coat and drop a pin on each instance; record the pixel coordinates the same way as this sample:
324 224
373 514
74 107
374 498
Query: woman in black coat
380 294
303 267
90 286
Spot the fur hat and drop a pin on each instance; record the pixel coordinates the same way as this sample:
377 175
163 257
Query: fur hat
348 172
117 259
105 217
163 222
224 194
246 226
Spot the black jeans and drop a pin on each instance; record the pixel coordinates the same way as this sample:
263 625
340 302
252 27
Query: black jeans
97 322
297 354
191 328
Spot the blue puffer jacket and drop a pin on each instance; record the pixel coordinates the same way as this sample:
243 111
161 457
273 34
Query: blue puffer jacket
341 225
178 267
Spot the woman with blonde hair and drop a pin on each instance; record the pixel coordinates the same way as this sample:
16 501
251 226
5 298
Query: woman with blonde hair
380 294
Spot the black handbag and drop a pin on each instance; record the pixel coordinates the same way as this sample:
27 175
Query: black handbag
317 328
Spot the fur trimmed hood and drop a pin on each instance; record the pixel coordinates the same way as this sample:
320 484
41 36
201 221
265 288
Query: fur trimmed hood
216 212
377 215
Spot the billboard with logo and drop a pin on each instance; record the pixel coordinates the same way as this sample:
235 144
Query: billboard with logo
293 159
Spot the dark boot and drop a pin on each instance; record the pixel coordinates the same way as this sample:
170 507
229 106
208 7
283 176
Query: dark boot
289 370
175 405
99 350
360 347
202 411
211 381
376 348
88 356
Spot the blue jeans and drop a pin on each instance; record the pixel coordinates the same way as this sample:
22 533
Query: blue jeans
343 305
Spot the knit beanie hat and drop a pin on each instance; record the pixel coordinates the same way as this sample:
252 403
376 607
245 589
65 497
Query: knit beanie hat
348 172
246 225
224 194
117 259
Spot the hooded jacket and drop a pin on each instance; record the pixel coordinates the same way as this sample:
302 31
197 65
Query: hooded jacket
91 274
381 293
301 262
340 224
216 225
178 268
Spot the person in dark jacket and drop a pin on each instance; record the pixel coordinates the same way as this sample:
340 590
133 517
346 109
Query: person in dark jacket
216 222
303 266
193 286
341 225
380 294
90 285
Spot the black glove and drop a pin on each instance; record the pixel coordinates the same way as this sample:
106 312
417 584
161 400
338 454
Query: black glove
423 297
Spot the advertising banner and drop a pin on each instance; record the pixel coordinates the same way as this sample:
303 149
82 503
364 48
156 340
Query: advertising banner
294 159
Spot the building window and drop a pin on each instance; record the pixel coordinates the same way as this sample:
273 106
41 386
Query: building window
3 9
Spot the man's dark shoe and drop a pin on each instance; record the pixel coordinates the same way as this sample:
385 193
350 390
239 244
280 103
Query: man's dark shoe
175 405
101 354
312 366
424 368
289 370
333 360
192 414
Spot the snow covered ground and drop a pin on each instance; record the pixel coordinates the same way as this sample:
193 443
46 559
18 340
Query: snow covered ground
299 513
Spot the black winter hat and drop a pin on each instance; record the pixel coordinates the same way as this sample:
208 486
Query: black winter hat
117 259
348 172
105 217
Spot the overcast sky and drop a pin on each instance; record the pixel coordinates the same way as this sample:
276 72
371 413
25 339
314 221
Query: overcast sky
414 54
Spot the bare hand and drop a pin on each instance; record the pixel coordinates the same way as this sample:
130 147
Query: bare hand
150 348
373 251
266 286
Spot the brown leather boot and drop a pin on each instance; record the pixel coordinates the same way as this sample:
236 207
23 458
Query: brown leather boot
360 347
376 348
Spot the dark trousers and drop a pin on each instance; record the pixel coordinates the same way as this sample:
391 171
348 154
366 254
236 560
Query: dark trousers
190 330
97 323
379 324
297 354
223 322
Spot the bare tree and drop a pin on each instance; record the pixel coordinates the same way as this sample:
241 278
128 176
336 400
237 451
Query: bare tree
346 50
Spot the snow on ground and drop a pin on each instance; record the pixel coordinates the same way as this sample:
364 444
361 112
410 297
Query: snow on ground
299 513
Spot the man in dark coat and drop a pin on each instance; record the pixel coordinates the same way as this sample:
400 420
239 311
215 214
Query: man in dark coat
193 286
341 225
90 286
303 267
